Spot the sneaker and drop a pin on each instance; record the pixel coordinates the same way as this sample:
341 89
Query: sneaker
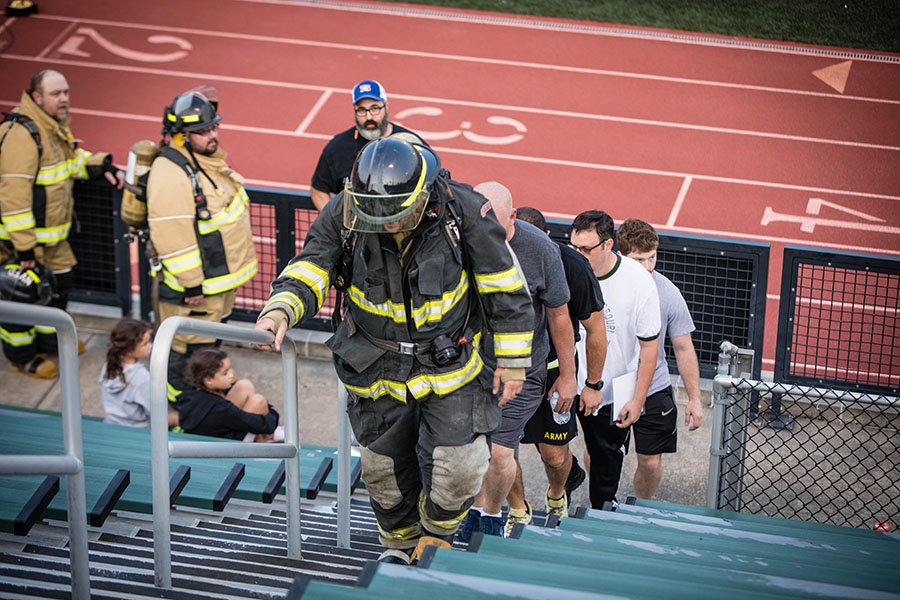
395 556
517 515
559 507
40 368
575 479
471 524
492 525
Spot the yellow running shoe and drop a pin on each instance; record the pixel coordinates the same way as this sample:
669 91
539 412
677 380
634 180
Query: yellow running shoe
517 515
559 507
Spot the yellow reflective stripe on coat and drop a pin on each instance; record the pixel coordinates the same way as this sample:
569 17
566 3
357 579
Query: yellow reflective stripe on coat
404 533
171 281
396 389
513 344
49 235
288 298
315 277
504 281
445 383
18 338
391 310
224 283
449 524
73 167
434 310
45 330
185 262
18 222
172 393
229 214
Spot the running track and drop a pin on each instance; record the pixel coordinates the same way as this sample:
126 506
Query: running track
696 134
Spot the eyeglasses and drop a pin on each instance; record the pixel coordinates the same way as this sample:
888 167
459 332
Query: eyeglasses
585 249
374 110
207 130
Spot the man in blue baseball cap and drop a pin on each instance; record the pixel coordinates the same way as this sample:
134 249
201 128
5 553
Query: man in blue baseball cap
336 160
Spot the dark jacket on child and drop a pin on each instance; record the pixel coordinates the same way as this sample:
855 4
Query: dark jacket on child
206 413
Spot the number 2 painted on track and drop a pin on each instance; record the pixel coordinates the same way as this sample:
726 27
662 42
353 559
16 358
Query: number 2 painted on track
811 219
465 126
72 46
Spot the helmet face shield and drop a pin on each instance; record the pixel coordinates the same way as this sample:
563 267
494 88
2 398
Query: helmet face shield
391 213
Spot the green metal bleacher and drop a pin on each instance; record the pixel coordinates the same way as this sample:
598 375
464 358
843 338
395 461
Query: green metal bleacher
646 550
118 472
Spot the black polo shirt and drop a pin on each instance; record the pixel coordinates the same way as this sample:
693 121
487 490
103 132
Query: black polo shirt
337 158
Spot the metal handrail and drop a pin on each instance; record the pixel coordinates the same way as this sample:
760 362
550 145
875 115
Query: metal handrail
343 486
70 464
162 449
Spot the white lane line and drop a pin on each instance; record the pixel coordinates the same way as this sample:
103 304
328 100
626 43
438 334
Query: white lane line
678 202
531 159
444 101
314 112
478 60
580 27
58 37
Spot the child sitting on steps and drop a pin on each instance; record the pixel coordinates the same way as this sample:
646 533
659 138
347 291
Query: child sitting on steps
219 406
125 382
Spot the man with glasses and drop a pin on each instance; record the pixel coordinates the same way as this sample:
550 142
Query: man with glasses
199 219
336 160
632 327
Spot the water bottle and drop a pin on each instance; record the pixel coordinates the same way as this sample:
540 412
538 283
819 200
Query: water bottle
560 418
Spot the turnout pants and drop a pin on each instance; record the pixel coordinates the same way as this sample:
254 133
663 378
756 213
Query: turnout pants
607 445
423 460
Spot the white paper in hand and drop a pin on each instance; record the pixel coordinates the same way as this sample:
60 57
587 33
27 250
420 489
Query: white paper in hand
623 392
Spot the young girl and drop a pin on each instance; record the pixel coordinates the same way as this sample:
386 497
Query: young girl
220 406
124 382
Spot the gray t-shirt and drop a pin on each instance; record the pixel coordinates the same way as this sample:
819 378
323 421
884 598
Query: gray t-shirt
674 318
542 267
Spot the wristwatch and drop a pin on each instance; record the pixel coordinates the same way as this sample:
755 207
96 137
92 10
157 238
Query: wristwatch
594 386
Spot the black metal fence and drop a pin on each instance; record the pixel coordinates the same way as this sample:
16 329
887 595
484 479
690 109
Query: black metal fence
837 462
103 275
839 320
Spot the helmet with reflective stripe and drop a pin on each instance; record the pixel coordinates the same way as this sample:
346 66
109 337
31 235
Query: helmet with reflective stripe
30 286
389 186
190 111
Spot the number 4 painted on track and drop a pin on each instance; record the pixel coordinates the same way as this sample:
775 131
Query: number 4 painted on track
809 221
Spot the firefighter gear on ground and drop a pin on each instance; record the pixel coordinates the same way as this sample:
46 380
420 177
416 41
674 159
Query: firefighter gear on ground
36 211
423 428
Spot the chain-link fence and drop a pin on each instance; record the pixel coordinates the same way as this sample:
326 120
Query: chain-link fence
805 453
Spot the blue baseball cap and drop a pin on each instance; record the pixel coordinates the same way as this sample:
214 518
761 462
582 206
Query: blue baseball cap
369 89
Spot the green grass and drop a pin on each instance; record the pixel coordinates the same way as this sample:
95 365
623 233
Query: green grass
864 25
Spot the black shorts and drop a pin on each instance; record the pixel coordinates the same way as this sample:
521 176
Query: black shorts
542 429
656 432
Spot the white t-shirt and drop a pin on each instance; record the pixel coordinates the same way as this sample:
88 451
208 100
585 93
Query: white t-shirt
631 313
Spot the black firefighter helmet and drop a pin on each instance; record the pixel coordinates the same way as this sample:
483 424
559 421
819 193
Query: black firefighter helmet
389 187
29 286
190 111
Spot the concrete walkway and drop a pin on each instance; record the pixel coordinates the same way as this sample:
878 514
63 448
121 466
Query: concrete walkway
685 473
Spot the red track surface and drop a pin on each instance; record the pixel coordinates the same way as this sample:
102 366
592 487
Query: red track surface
694 135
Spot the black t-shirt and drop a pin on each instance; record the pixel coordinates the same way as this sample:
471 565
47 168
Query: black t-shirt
336 160
585 297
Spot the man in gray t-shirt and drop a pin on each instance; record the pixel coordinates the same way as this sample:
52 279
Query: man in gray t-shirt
540 263
656 432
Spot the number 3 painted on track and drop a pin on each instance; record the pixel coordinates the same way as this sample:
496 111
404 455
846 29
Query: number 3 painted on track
465 126
72 46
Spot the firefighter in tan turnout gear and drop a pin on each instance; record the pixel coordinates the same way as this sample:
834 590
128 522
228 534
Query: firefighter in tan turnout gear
426 272
39 161
199 218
